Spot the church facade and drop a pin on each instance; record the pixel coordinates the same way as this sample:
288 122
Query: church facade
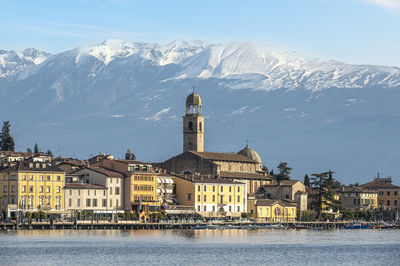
244 166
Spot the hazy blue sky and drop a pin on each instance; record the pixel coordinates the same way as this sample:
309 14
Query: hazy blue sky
353 31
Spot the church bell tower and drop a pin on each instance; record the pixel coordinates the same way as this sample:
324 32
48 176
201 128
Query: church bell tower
193 125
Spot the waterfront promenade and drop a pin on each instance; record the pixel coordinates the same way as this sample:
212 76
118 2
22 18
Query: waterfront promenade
125 225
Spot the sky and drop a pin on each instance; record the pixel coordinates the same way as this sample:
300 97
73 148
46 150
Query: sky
352 31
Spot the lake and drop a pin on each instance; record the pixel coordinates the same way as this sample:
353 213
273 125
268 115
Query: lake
200 247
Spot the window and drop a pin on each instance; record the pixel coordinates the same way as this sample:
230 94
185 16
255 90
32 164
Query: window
222 188
58 178
70 202
380 193
198 188
5 189
23 177
79 192
198 198
198 208
230 208
388 193
31 201
58 189
213 188
116 203
88 192
41 178
104 203
48 178
205 198
94 202
88 203
48 189
190 125
388 202
213 208
48 200
230 198
110 190
238 189
205 188
230 189
95 192
30 188
110 203
111 180
30 177
117 191
78 202
222 199
395 193
238 198
117 181
12 188
213 198
395 202
238 208
58 201
189 196
41 201
104 192
23 188
70 192
205 208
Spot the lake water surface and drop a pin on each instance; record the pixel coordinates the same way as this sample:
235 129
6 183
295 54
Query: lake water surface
200 247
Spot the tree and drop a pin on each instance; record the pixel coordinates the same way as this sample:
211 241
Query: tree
6 141
327 188
306 181
272 173
29 150
49 152
284 172
36 149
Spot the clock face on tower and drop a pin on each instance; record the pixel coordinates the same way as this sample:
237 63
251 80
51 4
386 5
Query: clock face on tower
193 124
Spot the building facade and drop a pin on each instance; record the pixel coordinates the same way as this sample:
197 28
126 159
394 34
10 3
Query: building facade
388 193
269 210
112 180
85 197
357 198
31 186
212 197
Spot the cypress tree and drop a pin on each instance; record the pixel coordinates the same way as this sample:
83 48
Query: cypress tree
36 149
306 181
6 141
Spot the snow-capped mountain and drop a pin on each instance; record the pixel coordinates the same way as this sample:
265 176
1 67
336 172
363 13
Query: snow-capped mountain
107 97
12 62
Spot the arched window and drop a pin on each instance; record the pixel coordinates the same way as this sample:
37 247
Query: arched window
190 125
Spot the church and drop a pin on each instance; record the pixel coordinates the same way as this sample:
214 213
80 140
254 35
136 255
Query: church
244 166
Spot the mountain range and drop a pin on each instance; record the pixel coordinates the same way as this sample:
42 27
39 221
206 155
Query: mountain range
108 97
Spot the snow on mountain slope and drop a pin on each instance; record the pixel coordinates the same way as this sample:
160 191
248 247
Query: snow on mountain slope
12 62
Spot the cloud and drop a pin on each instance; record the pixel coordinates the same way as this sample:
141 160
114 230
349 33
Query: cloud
157 116
390 4
240 110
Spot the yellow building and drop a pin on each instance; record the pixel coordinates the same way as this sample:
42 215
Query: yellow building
30 186
212 197
269 210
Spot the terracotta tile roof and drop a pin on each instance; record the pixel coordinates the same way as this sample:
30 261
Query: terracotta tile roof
284 183
15 153
223 156
83 186
105 171
380 183
206 179
355 189
242 175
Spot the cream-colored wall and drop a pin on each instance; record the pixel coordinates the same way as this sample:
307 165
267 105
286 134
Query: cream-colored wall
75 195
183 188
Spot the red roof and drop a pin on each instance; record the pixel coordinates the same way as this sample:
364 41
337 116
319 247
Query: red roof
83 186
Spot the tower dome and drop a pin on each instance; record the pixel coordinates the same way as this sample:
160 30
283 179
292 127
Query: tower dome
193 99
250 153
